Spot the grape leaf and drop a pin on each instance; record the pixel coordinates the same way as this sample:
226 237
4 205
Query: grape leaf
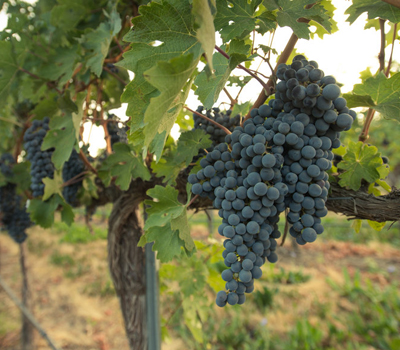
166 242
47 106
377 226
189 144
164 208
61 136
98 41
60 64
240 18
42 212
166 211
53 186
9 66
321 31
164 30
171 79
375 9
124 164
360 162
205 32
379 93
241 108
209 88
288 12
67 14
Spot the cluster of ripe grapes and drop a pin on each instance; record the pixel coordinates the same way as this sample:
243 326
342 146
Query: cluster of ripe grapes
13 214
116 132
71 169
276 160
217 135
41 165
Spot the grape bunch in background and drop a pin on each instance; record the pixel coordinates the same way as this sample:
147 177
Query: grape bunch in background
41 165
276 160
217 135
12 210
72 168
116 133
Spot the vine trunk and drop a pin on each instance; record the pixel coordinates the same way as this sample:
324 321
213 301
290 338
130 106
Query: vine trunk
127 266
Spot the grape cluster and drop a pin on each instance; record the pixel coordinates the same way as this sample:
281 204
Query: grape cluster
12 211
276 160
41 165
116 133
310 114
217 135
73 167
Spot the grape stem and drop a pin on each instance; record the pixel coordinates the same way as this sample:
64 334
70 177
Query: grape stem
49 84
391 51
285 232
210 120
371 112
233 101
86 161
248 71
271 82
75 179
108 70
192 200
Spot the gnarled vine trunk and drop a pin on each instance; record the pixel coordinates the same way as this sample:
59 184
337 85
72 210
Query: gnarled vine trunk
127 266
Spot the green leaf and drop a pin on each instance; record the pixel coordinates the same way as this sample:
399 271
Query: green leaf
166 211
171 79
164 207
68 14
290 11
209 88
375 9
241 108
9 66
360 162
67 214
169 24
189 144
205 32
380 93
377 226
46 107
181 224
61 136
240 18
42 213
60 64
166 242
356 225
53 186
321 31
98 41
125 165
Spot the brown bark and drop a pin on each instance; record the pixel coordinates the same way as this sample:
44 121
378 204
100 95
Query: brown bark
127 266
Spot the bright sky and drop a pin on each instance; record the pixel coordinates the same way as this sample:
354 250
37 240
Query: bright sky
343 54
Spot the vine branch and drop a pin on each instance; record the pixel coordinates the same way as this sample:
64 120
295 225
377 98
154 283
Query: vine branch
270 84
86 161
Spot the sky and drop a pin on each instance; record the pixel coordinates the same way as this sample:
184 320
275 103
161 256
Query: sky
343 54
